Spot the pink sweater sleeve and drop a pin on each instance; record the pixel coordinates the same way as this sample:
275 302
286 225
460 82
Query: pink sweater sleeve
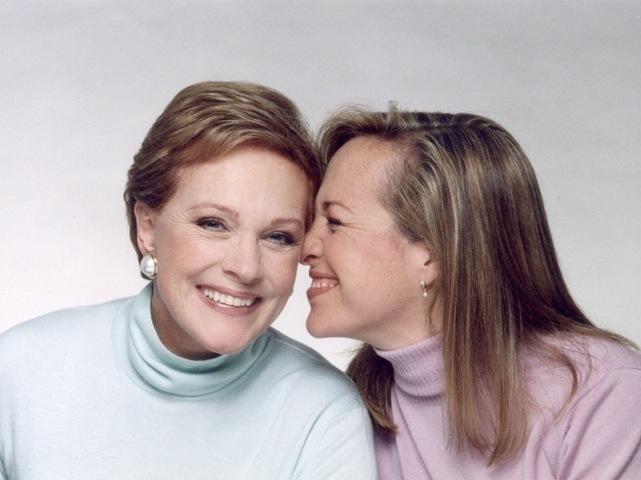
602 438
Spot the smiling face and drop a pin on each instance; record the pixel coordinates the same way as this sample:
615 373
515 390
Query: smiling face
365 275
227 245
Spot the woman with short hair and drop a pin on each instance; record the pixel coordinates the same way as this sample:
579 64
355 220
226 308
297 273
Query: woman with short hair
431 246
186 380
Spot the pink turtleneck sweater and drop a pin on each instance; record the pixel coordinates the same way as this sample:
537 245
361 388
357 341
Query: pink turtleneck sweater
598 437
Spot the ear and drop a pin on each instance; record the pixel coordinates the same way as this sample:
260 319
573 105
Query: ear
145 227
420 257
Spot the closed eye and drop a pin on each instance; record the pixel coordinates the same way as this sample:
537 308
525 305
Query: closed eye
333 223
214 224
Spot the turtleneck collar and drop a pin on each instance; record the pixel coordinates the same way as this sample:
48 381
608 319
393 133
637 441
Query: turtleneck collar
418 369
149 362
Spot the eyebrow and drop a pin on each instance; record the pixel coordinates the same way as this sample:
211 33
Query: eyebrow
234 213
223 208
327 204
285 220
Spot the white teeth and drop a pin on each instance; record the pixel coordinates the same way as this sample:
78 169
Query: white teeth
229 300
323 284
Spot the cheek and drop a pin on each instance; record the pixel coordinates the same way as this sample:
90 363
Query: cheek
372 275
281 272
184 253
167 241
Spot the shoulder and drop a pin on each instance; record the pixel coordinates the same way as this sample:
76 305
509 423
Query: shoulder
337 440
599 363
41 336
609 367
292 360
337 435
602 413
289 347
600 358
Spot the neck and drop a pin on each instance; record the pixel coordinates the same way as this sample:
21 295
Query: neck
393 334
395 338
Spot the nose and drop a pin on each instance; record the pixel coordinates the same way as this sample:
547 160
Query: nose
244 261
312 246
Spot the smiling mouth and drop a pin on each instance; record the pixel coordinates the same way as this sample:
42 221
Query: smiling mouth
325 283
227 300
320 286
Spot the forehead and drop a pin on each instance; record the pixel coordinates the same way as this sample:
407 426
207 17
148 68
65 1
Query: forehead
246 176
357 171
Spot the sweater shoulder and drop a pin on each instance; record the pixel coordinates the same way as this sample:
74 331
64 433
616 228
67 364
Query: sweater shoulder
593 360
596 358
40 336
311 370
603 361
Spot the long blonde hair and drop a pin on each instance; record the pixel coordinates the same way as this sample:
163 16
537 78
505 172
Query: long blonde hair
465 187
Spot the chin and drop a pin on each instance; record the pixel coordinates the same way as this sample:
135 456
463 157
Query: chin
325 326
320 328
230 345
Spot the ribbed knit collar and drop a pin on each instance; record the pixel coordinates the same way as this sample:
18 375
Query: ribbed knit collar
418 369
159 369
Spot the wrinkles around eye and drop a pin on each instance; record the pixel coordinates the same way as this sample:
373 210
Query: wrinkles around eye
212 224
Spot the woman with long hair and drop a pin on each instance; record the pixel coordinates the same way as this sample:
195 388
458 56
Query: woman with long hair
431 246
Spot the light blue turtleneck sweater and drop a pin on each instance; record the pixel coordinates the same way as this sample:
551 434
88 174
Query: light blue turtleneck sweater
91 393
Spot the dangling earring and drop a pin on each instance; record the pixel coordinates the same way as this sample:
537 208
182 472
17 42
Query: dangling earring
424 287
149 266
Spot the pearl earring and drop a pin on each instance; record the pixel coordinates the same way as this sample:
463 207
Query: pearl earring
149 266
424 287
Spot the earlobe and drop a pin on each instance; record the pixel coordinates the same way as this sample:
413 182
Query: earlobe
145 227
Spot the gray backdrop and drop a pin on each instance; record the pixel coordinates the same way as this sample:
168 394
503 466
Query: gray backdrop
83 81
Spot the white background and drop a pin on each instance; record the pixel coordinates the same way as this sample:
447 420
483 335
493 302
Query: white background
82 82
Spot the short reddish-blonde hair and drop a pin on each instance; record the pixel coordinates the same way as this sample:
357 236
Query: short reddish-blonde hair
209 119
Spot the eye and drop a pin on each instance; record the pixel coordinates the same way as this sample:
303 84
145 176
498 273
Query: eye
333 223
283 239
214 224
